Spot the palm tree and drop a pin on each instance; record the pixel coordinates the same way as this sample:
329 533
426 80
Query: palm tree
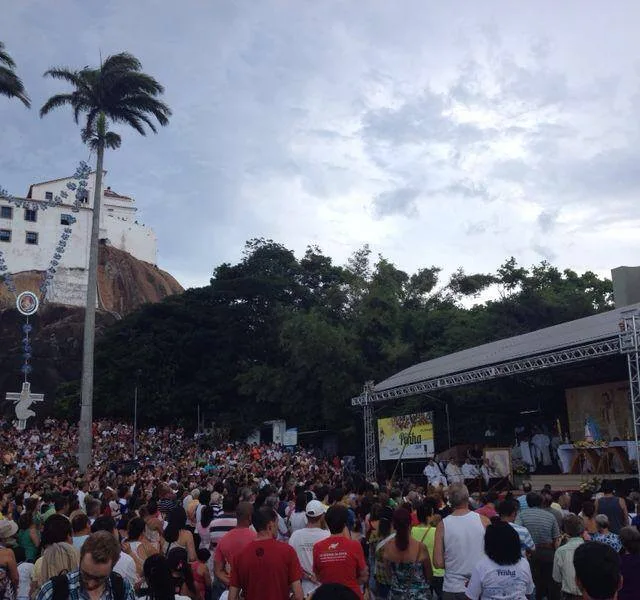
10 84
116 92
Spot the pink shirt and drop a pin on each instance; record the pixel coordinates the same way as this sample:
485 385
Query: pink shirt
487 511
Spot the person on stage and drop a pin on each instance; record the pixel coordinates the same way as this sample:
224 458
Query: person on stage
469 470
542 447
454 473
488 472
434 475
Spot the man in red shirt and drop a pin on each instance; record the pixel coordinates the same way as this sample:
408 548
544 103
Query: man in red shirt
339 559
233 542
266 569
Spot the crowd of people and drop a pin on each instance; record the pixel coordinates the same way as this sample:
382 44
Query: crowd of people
258 521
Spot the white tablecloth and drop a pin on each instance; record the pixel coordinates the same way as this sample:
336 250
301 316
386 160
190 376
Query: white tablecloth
567 451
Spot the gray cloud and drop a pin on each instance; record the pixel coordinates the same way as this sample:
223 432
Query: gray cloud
400 201
547 220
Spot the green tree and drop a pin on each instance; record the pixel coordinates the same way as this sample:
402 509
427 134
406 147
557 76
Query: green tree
274 336
116 92
10 84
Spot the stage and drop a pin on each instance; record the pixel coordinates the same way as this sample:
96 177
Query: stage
596 407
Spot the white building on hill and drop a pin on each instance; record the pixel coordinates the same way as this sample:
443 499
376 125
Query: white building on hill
29 236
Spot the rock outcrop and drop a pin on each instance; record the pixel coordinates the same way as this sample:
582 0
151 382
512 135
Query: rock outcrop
124 283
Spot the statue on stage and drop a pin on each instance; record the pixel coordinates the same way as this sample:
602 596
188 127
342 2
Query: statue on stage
591 430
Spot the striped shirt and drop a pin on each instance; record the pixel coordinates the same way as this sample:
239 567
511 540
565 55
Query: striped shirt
76 593
526 541
166 505
542 525
219 527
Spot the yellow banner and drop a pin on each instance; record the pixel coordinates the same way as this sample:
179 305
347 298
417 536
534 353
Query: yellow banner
406 436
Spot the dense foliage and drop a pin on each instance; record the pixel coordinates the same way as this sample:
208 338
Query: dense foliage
275 336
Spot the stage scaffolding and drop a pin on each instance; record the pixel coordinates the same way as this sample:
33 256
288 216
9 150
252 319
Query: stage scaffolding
626 342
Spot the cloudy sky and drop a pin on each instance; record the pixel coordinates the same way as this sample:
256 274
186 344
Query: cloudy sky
447 133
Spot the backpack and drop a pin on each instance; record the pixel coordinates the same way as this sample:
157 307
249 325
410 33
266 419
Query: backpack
61 586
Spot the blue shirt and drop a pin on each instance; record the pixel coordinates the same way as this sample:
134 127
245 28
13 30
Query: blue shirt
77 593
526 541
522 501
611 539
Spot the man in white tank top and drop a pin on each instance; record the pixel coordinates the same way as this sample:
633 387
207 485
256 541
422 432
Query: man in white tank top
459 543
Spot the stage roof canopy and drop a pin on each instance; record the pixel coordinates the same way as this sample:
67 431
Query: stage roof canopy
582 339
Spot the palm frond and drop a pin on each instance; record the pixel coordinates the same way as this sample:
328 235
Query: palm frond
112 140
144 118
5 58
90 136
133 121
123 83
11 86
80 104
142 102
66 74
56 102
92 115
124 61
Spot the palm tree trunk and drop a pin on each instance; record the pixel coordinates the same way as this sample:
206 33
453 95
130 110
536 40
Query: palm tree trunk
85 433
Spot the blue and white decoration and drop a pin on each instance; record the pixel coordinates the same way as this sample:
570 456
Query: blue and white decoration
81 174
26 350
79 188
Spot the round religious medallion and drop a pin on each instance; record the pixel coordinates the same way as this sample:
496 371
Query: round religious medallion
27 303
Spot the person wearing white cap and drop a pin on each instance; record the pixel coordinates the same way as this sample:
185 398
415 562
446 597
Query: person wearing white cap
8 565
302 541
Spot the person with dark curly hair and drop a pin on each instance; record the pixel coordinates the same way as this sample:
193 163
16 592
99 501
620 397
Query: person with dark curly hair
503 572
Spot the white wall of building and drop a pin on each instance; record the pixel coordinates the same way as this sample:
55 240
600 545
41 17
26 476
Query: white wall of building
125 234
118 225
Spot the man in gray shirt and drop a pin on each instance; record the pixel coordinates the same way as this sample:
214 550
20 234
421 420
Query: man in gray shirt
544 530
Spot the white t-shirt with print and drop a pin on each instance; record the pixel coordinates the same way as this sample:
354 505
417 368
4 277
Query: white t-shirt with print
491 581
302 541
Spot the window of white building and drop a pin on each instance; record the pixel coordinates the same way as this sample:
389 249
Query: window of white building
6 212
48 195
30 215
65 219
5 235
31 238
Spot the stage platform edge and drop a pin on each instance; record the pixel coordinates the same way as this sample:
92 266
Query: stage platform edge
567 482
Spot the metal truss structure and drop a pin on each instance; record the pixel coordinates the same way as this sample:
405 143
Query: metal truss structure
630 345
371 461
628 342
